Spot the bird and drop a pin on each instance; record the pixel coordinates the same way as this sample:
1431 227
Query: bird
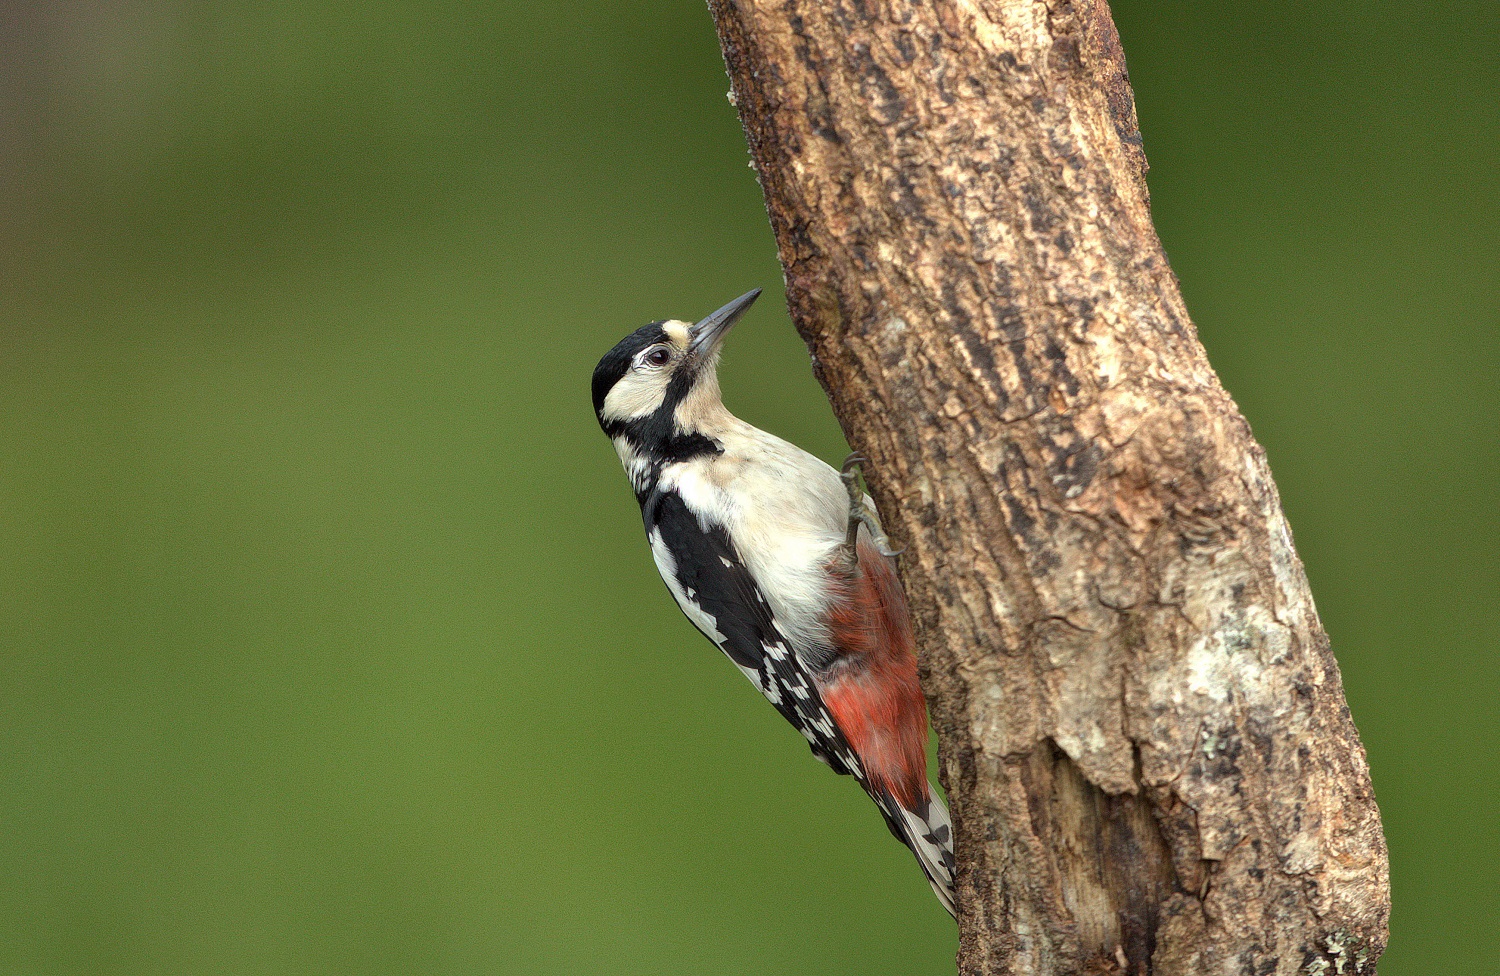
781 562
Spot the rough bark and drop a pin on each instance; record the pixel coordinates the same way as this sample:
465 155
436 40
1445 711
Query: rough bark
1143 729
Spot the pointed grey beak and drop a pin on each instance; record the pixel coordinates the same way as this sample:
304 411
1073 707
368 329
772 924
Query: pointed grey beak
708 333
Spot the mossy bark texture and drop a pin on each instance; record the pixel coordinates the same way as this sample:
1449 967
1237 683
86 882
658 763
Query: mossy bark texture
1144 735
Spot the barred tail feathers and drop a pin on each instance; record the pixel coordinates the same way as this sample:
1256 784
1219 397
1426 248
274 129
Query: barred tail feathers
929 834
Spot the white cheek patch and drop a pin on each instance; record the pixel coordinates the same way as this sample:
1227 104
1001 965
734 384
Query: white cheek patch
636 395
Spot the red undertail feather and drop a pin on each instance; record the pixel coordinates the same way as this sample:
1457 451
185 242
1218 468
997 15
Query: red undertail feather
873 694
872 690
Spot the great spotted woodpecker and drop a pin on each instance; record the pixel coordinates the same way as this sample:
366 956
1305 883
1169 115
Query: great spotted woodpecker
780 561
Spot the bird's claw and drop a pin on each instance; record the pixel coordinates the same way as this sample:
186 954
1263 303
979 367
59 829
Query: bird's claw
882 541
859 512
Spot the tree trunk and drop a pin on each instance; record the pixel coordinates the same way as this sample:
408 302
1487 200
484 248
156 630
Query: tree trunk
1143 730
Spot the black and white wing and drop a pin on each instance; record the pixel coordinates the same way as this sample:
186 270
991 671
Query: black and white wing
717 593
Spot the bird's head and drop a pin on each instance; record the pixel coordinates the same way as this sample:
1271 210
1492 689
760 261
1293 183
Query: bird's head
657 390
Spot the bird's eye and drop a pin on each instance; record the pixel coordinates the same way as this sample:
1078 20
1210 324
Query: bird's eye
658 356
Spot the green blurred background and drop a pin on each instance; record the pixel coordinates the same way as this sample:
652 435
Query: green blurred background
330 639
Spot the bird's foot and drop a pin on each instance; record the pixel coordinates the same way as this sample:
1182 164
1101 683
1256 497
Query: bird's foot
861 513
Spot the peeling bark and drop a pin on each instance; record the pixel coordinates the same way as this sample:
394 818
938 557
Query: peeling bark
1143 729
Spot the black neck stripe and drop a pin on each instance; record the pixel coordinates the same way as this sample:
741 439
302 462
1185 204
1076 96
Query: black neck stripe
657 437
